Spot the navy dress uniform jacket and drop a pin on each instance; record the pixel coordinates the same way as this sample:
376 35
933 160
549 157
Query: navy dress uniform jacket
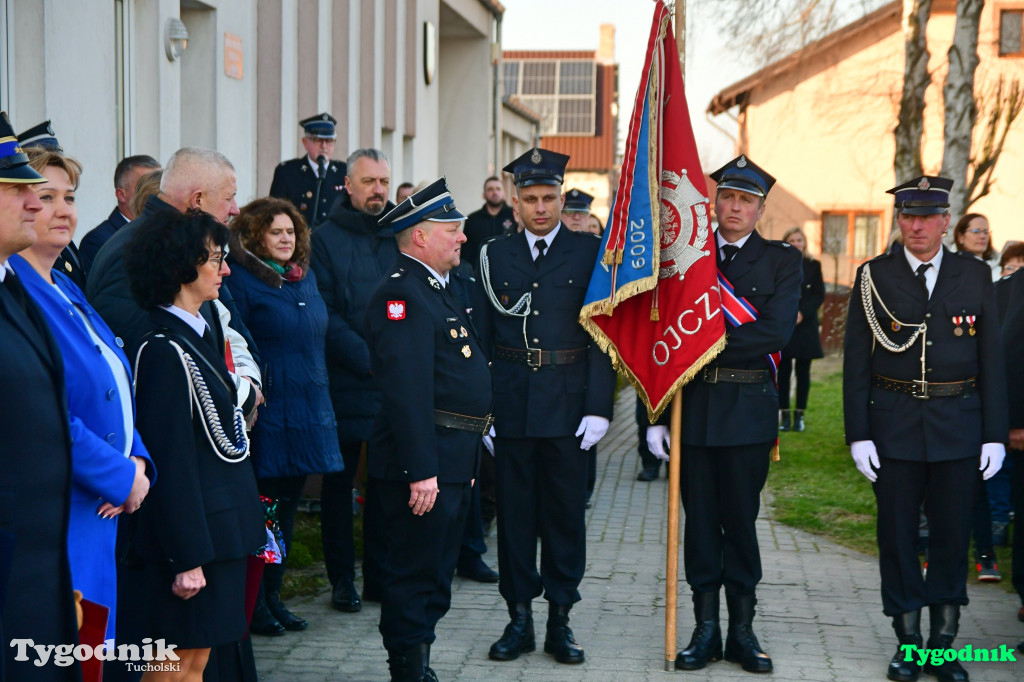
425 356
937 429
98 236
296 181
35 492
551 401
806 340
768 274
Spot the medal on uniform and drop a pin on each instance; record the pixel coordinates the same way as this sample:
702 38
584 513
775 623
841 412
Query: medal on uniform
462 332
67 266
454 334
957 321
466 351
970 321
896 326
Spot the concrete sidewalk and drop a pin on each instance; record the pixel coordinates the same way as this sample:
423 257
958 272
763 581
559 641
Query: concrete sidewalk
819 614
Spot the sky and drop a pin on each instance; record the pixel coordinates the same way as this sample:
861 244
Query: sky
575 25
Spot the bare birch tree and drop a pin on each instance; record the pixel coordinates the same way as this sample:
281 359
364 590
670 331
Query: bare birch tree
960 107
916 79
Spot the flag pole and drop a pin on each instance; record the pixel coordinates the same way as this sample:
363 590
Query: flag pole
675 450
672 553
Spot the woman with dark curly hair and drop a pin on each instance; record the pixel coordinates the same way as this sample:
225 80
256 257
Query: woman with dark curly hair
296 434
185 579
972 235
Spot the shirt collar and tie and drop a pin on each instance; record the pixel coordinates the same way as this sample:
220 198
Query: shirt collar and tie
925 272
533 240
728 250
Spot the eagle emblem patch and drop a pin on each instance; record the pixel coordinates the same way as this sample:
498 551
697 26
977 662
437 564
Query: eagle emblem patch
396 310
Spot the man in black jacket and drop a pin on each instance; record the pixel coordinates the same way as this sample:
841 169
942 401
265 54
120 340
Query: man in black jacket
350 255
126 176
552 386
730 423
493 219
35 455
315 181
436 385
924 401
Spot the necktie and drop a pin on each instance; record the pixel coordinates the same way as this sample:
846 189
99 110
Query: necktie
541 246
921 270
728 253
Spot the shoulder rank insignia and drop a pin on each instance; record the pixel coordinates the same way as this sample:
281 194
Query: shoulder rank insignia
433 282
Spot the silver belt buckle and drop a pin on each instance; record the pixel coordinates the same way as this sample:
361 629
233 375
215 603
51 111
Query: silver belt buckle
922 393
530 355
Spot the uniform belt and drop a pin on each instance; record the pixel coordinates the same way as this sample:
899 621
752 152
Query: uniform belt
717 375
535 357
463 422
924 389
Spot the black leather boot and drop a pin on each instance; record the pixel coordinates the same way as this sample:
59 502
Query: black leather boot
518 637
798 420
406 665
908 631
706 643
428 673
741 645
559 641
345 598
945 621
784 421
263 621
285 617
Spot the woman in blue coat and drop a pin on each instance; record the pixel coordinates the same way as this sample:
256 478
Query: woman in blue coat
111 470
295 433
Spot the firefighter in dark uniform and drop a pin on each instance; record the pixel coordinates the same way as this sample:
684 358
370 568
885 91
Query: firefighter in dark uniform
924 395
576 212
424 452
69 262
730 424
552 386
299 180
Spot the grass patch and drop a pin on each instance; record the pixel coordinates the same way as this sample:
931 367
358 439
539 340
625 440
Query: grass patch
816 487
305 574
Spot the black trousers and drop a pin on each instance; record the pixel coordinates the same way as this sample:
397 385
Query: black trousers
286 490
947 491
1017 498
419 560
721 490
542 487
336 521
473 545
647 458
803 381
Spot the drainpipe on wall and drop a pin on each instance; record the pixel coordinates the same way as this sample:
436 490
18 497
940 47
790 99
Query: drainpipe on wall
499 89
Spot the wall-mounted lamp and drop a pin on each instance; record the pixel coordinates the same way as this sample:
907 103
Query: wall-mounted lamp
175 38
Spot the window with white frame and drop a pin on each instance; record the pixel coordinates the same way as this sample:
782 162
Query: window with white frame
562 91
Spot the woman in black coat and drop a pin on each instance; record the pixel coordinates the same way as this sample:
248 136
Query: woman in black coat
296 433
185 582
805 344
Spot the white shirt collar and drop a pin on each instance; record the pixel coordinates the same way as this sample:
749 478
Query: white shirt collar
312 163
720 240
432 271
196 322
549 238
4 267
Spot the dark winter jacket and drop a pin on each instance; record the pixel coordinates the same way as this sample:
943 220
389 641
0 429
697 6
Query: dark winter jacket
350 256
295 432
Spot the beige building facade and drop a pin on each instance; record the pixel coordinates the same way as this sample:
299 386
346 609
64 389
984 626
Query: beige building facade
822 121
416 78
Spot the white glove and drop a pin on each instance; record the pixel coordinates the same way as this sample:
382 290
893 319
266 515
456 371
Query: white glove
592 429
658 441
865 456
489 441
992 455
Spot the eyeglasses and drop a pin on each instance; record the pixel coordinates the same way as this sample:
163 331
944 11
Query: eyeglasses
977 230
217 259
